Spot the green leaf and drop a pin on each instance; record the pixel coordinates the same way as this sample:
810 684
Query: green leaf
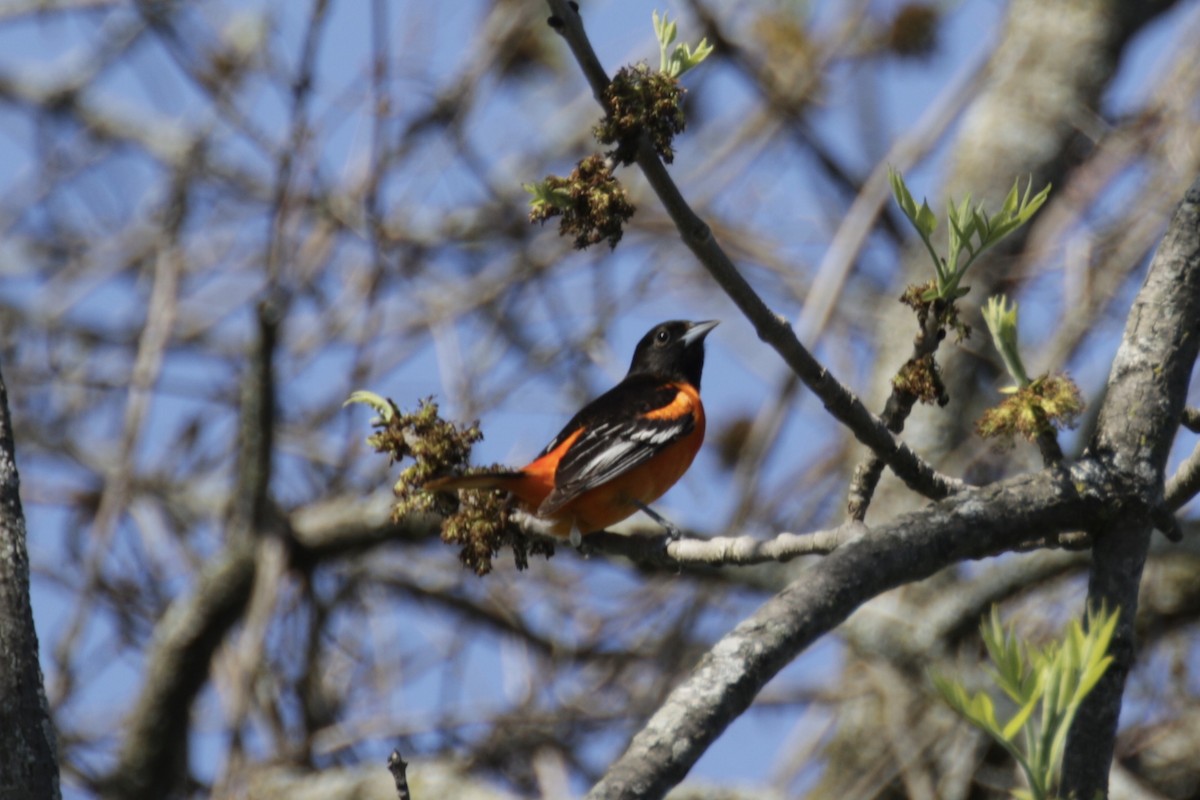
903 197
1001 321
685 58
925 220
978 708
1048 684
382 405
1005 652
971 229
546 195
1014 725
675 62
1011 200
1054 678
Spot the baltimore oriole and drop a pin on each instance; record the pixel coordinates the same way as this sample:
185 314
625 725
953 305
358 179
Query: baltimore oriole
624 449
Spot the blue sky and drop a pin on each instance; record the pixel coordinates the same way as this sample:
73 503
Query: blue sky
770 196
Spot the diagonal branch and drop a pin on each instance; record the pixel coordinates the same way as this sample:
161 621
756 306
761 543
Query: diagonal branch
770 327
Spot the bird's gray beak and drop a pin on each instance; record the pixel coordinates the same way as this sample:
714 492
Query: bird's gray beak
699 330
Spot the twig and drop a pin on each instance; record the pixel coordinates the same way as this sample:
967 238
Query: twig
899 405
659 551
664 552
399 769
770 327
1048 446
152 760
153 341
1185 483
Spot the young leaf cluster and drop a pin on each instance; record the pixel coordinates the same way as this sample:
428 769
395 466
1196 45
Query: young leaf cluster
591 202
675 62
477 521
1001 321
1046 684
971 230
1045 403
1033 407
638 101
434 446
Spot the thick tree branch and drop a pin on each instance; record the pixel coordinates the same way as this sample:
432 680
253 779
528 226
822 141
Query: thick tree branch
971 524
1147 389
28 747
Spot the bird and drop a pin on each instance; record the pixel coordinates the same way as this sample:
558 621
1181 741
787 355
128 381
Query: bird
623 450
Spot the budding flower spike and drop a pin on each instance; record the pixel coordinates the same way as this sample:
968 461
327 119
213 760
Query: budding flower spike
1034 407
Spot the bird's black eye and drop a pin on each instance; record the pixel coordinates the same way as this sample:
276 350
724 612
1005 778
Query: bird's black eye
662 336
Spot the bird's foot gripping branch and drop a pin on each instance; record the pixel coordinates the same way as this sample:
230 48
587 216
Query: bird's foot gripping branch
479 522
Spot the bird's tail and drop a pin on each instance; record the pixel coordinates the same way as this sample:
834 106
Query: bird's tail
529 487
506 480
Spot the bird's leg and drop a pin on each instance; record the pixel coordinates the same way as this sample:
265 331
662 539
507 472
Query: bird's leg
673 532
576 537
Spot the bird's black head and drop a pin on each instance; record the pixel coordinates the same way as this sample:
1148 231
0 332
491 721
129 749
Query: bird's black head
673 351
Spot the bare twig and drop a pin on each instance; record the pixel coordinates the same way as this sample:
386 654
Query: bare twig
153 756
1185 483
399 769
899 405
660 551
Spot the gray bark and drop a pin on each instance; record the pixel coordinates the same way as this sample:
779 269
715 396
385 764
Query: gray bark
28 746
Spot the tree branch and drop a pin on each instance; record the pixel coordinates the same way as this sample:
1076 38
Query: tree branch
971 524
28 746
399 769
1147 389
770 327
153 757
660 551
1185 483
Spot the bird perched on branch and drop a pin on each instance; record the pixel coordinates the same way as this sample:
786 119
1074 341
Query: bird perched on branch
624 449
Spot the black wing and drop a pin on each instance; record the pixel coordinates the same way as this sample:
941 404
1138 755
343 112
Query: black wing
617 436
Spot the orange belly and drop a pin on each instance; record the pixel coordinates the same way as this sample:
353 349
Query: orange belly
606 505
